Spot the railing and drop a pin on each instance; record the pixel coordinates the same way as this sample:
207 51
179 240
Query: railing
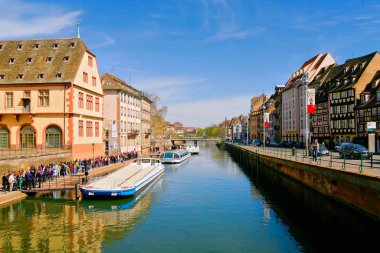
15 110
334 160
7 153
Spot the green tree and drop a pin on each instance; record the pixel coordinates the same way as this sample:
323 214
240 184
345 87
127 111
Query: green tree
200 132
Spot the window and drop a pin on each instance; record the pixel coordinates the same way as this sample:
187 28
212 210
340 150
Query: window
93 81
53 137
19 47
43 98
58 75
27 94
49 59
350 123
378 96
80 128
361 113
2 77
360 128
1 47
85 77
72 44
27 137
11 60
89 128
40 76
97 104
350 108
20 76
66 58
80 99
89 102
36 46
4 137
96 129
55 45
350 93
374 111
28 60
90 61
9 99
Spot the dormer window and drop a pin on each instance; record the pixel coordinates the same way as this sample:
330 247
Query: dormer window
20 76
1 47
55 45
12 60
48 59
364 98
2 77
58 75
378 95
72 44
352 70
28 60
19 47
40 76
36 46
66 58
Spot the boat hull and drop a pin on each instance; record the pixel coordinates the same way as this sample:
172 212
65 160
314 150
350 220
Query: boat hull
174 160
121 193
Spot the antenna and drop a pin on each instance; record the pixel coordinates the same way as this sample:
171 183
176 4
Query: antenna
78 28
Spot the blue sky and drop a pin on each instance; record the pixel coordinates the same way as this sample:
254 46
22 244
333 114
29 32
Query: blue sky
205 58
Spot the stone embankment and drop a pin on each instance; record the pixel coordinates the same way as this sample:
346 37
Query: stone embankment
360 191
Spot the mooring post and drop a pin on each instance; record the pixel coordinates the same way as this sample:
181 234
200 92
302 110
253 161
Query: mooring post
76 191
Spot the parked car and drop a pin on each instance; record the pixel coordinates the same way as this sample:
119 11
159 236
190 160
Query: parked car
322 150
354 151
299 144
274 144
283 144
257 142
339 147
289 144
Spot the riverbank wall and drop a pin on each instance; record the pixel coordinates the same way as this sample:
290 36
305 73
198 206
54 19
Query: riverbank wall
358 191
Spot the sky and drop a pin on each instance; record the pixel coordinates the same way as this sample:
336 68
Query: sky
205 59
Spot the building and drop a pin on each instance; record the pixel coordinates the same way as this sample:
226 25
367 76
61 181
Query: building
348 85
276 115
368 110
50 96
122 111
293 97
146 125
320 125
254 115
178 129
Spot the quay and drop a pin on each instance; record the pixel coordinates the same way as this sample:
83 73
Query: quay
61 183
354 184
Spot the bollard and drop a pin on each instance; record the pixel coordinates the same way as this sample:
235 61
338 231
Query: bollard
330 162
344 162
76 191
361 163
293 151
371 160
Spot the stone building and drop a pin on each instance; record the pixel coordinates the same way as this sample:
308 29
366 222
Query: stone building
146 125
254 115
50 96
122 112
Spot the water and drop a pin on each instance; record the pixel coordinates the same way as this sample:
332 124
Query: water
207 204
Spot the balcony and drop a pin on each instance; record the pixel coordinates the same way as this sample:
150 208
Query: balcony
15 110
148 131
133 132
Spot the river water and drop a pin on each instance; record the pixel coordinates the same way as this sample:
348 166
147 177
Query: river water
207 204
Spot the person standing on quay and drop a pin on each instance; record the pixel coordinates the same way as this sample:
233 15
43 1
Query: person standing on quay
315 149
11 180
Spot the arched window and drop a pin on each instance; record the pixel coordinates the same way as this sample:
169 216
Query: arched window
27 137
53 137
4 137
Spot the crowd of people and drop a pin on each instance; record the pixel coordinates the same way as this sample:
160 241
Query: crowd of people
35 176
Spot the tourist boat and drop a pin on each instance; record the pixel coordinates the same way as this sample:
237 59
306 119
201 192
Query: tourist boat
126 181
174 156
194 150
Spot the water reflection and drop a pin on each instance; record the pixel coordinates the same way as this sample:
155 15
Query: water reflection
45 225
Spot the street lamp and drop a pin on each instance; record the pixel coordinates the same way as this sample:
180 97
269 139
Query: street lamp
305 80
265 106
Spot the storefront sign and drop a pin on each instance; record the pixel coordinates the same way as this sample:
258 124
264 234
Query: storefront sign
371 127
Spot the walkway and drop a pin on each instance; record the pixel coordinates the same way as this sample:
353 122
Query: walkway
332 161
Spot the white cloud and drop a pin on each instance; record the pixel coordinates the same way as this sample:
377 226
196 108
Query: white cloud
21 19
206 112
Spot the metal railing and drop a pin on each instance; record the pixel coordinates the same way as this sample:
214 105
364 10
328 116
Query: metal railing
8 153
334 160
15 109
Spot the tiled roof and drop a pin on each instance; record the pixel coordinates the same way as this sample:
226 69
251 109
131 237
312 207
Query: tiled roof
371 89
327 83
40 60
111 82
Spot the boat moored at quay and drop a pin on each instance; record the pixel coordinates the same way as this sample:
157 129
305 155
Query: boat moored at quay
127 181
174 156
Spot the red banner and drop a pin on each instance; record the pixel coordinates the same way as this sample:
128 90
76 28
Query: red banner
266 124
311 109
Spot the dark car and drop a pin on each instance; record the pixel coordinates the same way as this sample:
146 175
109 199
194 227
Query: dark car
274 144
339 147
257 142
299 144
282 144
354 151
289 144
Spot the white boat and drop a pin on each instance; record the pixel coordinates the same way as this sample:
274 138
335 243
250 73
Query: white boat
126 181
192 149
174 156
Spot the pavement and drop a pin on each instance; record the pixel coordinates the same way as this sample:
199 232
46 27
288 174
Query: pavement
333 161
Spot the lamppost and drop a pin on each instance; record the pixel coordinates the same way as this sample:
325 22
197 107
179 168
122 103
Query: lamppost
305 80
265 106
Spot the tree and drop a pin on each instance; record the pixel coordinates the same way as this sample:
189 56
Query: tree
200 132
157 115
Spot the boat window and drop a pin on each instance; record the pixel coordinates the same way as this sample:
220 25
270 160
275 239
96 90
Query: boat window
153 162
145 160
176 156
168 155
158 161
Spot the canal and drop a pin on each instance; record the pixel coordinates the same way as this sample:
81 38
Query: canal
207 204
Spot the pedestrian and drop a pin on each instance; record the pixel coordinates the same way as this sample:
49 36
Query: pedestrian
11 180
315 149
